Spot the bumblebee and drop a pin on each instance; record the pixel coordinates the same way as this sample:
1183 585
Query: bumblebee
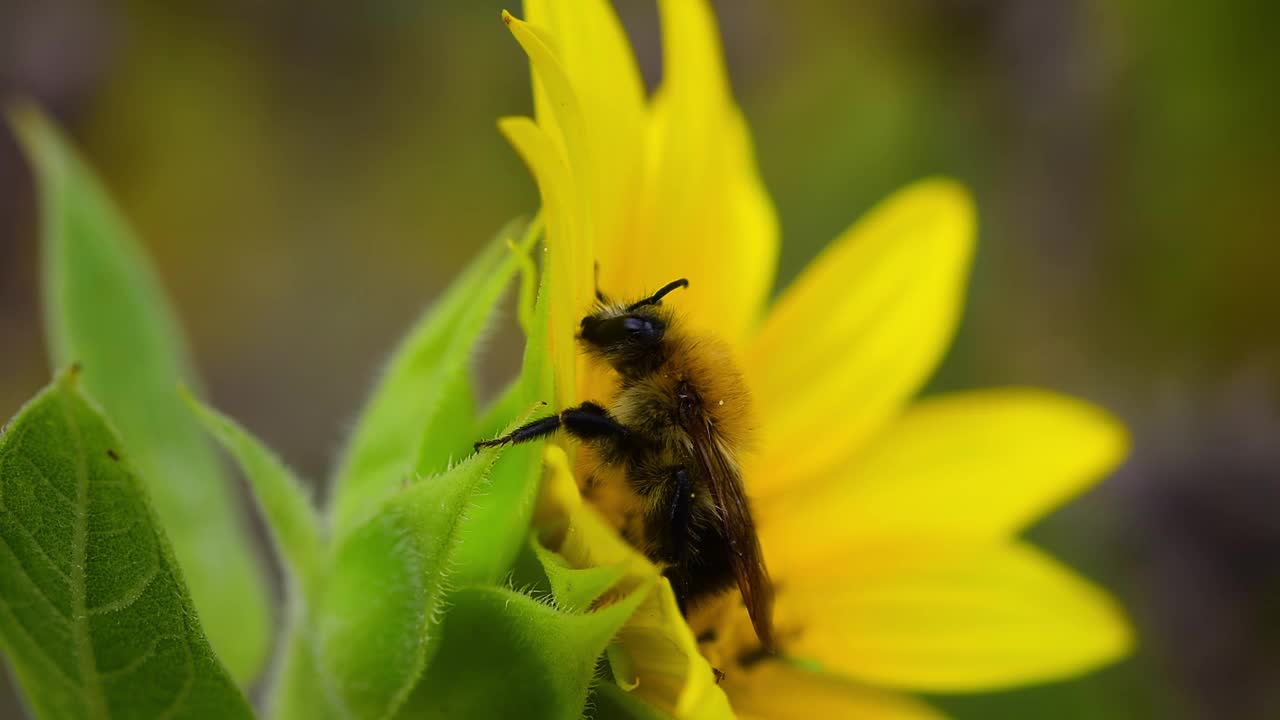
672 434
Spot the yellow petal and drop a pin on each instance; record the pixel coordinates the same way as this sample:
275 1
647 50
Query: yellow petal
1000 616
692 59
969 467
777 691
563 245
592 48
859 331
702 212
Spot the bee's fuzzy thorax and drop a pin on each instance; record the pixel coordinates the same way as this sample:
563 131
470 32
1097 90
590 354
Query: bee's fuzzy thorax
706 365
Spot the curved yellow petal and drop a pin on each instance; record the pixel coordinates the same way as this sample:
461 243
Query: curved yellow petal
701 212
593 50
859 331
571 281
967 466
563 245
664 666
995 617
563 120
775 690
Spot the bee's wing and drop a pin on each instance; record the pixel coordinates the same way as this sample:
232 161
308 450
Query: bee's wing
725 484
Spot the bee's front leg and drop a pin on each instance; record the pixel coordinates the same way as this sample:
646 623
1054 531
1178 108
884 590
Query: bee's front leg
587 422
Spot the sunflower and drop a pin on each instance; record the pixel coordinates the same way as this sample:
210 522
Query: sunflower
889 524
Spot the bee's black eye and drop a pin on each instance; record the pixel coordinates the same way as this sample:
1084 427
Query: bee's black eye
629 330
638 327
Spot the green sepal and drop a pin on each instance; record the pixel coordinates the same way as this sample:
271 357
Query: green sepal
505 654
576 589
285 503
613 703
376 620
420 415
503 514
298 690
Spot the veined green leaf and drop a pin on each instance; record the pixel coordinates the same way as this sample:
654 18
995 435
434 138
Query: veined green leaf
105 310
94 615
286 506
547 657
502 515
421 413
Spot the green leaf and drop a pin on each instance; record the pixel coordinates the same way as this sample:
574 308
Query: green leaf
385 592
105 310
503 514
504 654
94 614
286 505
421 413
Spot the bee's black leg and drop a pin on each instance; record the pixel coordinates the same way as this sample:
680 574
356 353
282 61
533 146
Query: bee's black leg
525 433
678 536
586 422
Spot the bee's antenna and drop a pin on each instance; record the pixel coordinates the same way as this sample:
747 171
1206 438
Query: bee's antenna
599 295
656 298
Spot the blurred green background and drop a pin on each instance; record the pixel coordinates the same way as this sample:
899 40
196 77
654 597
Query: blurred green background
307 175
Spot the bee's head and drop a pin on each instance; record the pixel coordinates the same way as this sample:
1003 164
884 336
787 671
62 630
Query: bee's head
629 337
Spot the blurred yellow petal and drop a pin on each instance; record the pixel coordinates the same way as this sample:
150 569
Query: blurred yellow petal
692 58
751 226
996 617
968 466
859 331
777 691
597 60
558 192
702 212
